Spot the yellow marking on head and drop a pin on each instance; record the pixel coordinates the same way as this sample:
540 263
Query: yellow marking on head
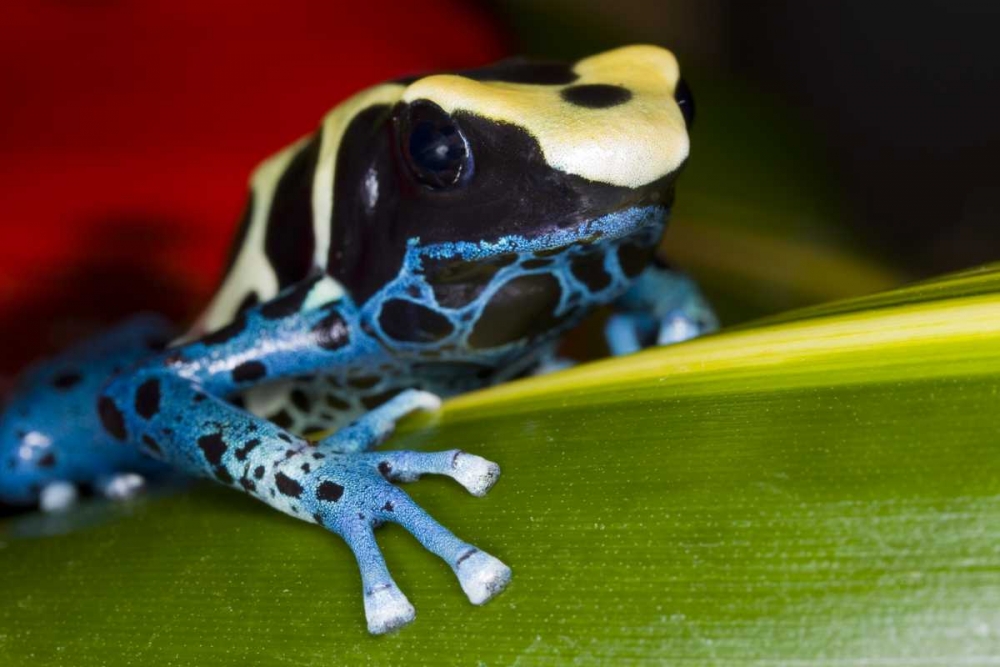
631 144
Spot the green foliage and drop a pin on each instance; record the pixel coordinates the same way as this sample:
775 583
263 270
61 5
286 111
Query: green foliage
818 487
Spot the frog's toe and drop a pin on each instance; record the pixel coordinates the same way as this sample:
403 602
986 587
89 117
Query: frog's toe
57 496
481 576
122 486
387 609
476 474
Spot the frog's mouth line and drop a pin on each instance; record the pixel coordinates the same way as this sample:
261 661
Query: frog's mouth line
609 227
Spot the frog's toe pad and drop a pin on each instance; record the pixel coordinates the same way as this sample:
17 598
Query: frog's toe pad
57 496
387 609
475 473
481 575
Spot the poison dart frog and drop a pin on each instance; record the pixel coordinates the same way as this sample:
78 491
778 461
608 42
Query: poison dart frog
434 235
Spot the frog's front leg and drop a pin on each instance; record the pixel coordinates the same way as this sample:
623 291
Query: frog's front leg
662 306
175 409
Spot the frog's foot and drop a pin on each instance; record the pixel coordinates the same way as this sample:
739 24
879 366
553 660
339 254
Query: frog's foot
682 314
352 493
57 496
122 486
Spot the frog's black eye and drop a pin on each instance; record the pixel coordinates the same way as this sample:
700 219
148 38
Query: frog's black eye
685 101
434 147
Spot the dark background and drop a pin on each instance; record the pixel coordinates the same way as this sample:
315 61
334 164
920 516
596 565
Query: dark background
903 97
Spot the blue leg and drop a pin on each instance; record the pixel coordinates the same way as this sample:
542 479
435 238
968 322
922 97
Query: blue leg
173 407
660 308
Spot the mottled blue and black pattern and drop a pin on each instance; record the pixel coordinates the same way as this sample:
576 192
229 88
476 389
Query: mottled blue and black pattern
457 258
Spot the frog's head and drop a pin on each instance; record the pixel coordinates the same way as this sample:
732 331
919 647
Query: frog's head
520 157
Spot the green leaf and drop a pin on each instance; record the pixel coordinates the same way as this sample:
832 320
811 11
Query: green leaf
822 487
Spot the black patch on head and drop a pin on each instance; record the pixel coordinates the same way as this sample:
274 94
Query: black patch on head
241 234
151 445
226 333
147 398
248 302
288 302
634 258
213 446
522 309
287 486
596 95
65 381
589 270
329 491
47 460
301 400
258 472
249 446
411 322
112 418
289 241
368 242
331 332
249 371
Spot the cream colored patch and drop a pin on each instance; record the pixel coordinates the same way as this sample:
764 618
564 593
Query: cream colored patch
629 145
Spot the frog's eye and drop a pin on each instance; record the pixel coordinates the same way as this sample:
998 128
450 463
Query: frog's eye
685 101
434 147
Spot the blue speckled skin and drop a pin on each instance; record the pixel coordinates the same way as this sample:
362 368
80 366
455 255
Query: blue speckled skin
126 403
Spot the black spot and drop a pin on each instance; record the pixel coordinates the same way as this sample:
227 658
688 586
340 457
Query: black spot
465 556
318 519
248 484
375 400
388 507
249 371
222 475
331 332
411 322
248 302
226 333
47 460
67 380
337 403
536 263
589 270
634 258
385 468
522 309
596 95
288 302
241 453
329 491
152 445
213 446
318 456
241 234
289 241
301 400
306 468
112 418
284 436
147 398
287 486
457 283
199 397
258 472
364 382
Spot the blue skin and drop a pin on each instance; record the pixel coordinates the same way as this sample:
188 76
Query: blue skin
170 407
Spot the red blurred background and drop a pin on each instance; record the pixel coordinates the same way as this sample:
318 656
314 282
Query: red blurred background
128 130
